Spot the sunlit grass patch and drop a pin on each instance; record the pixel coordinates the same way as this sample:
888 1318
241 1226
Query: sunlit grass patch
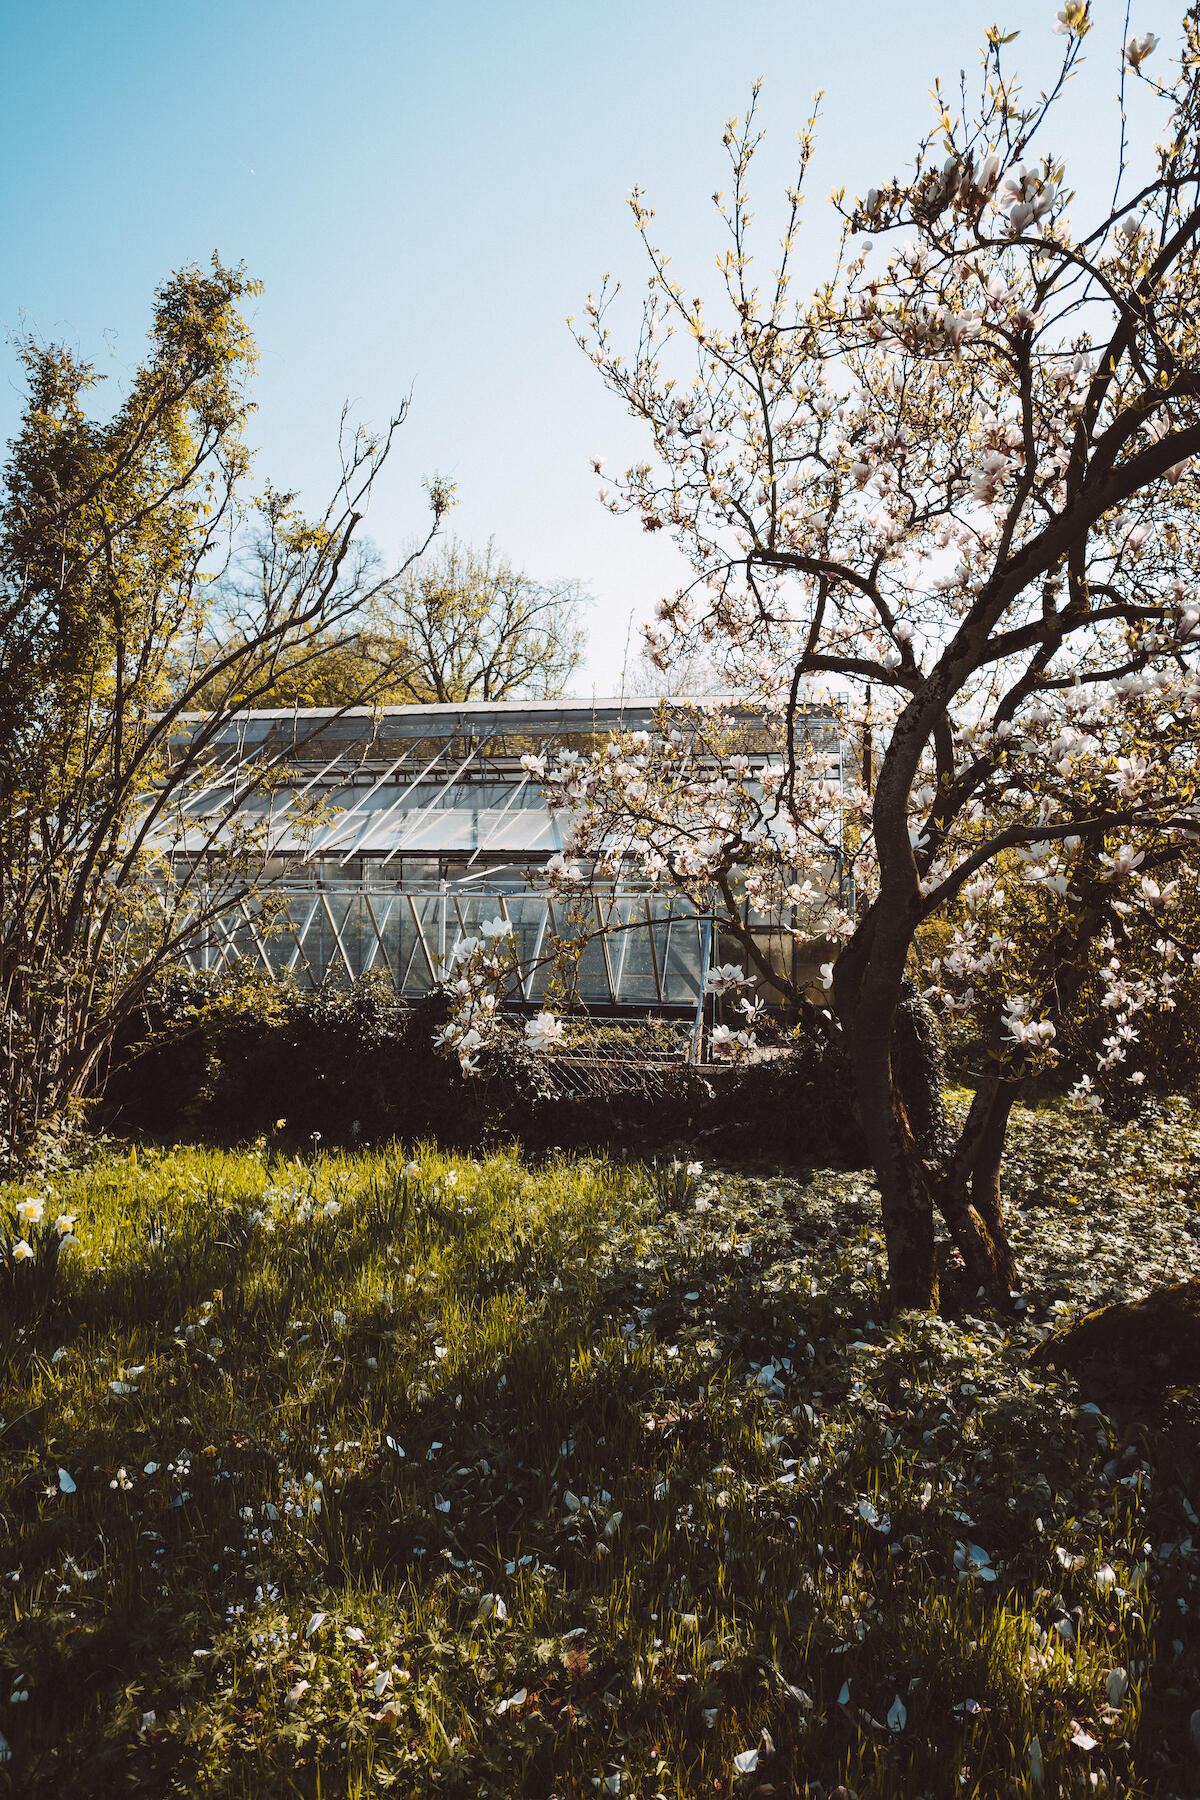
402 1472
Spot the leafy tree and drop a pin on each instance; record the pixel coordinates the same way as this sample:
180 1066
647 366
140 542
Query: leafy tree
115 538
957 485
460 625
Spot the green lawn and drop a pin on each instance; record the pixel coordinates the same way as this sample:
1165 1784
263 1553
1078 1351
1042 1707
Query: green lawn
580 1478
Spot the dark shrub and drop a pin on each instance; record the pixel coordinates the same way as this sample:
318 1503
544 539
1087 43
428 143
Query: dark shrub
226 1059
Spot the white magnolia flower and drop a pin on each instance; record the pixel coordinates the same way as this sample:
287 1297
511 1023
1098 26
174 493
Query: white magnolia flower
544 1031
1126 860
1074 20
1139 48
724 979
972 1561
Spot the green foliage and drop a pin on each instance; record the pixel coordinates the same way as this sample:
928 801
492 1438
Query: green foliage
31 1247
402 1473
676 1183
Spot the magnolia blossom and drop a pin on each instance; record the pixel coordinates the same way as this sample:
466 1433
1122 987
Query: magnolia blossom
1073 20
725 979
559 870
1126 860
543 1032
1139 48
1036 1033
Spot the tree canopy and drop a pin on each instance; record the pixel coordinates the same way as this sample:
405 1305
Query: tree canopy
462 624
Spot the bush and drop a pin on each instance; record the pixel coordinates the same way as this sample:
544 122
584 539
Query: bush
229 1059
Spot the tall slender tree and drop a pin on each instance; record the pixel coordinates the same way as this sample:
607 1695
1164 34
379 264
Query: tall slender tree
115 537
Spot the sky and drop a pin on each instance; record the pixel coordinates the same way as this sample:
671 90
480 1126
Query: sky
427 193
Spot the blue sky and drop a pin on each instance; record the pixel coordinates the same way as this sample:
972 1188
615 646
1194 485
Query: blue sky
427 193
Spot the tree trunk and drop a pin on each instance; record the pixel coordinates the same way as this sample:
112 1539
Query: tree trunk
907 1203
985 1175
968 1194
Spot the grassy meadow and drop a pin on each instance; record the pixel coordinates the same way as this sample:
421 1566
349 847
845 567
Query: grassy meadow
397 1473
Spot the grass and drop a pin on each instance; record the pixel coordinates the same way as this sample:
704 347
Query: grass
489 1478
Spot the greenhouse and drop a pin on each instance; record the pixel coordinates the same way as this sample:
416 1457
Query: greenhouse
391 834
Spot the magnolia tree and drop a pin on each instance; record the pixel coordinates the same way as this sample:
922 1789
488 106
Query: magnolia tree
954 492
